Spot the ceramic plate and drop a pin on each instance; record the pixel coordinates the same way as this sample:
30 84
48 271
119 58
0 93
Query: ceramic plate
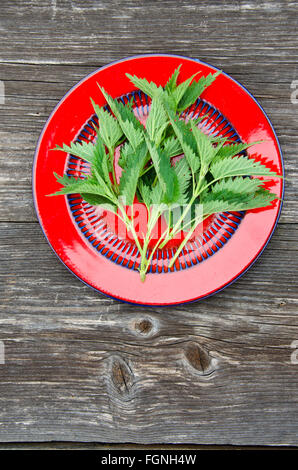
80 234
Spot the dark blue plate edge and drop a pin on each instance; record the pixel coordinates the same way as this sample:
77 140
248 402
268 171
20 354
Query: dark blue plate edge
35 159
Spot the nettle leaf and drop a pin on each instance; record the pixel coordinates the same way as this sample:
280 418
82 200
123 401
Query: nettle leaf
239 166
237 185
165 172
86 185
255 200
145 193
126 113
205 148
168 100
194 90
125 152
194 121
134 135
157 194
172 147
180 90
187 141
68 180
128 122
131 174
84 150
183 173
106 168
101 162
230 150
228 195
157 121
97 200
149 88
104 186
109 129
172 82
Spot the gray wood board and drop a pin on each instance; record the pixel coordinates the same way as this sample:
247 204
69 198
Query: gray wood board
82 367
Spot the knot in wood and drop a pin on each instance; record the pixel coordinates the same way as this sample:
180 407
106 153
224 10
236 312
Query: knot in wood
144 326
122 376
198 358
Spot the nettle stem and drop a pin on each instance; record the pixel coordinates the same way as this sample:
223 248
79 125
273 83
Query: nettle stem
144 265
112 160
178 226
186 239
166 236
147 262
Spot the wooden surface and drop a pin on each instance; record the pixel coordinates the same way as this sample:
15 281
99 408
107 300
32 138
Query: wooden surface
84 368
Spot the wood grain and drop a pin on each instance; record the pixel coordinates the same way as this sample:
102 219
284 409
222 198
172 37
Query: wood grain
82 367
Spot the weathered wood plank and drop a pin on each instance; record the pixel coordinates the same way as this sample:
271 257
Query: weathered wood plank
108 371
79 32
127 447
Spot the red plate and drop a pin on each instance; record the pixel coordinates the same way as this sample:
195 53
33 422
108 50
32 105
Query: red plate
230 243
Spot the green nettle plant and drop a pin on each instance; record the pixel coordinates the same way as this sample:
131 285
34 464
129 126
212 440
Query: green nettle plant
212 172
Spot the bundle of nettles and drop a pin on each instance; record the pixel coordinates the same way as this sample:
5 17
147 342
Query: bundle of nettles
212 172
